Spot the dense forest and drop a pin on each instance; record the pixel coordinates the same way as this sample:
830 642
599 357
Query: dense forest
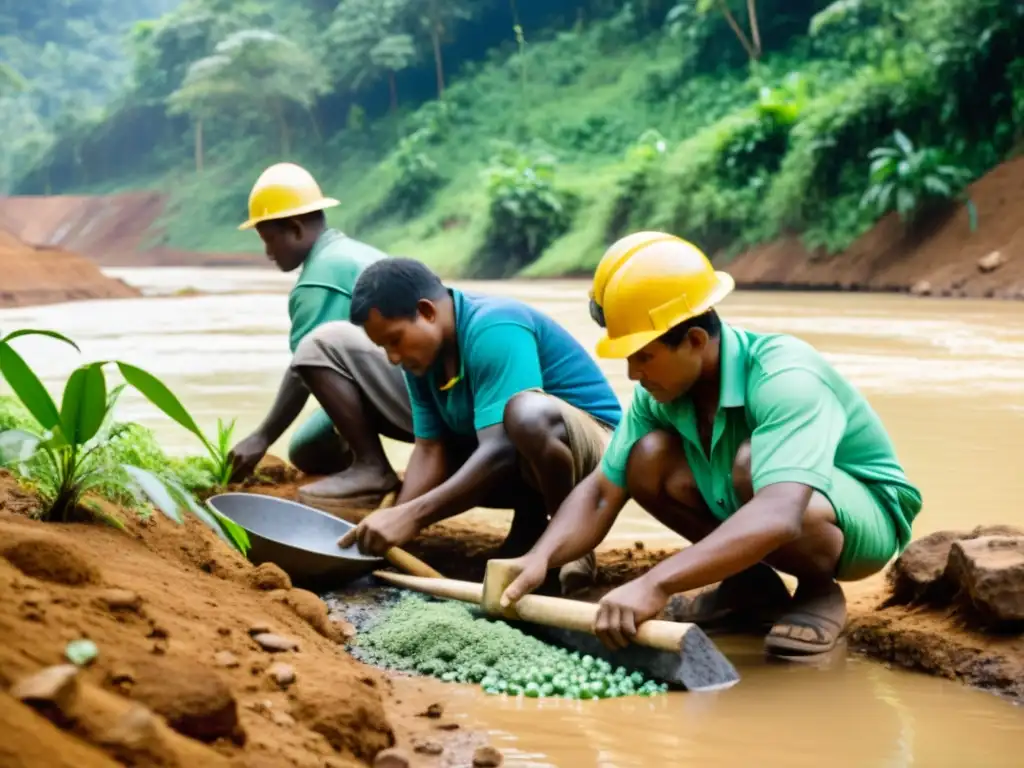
496 137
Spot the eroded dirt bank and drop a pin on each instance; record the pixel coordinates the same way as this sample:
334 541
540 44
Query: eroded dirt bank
111 230
203 659
38 275
944 259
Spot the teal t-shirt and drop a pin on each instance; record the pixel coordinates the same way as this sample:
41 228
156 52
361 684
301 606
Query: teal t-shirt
505 347
801 416
323 292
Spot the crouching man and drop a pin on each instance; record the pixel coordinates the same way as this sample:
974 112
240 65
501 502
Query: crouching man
751 446
509 411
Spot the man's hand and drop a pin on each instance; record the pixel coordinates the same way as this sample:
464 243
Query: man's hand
622 610
532 569
382 530
247 454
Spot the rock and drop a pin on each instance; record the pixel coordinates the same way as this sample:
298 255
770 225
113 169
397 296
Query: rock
990 572
193 700
275 643
269 576
447 726
343 629
135 735
487 757
282 718
52 692
434 711
428 748
312 610
917 573
119 600
226 659
282 674
921 288
48 558
392 758
991 262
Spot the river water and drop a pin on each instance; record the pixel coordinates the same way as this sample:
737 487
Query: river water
946 376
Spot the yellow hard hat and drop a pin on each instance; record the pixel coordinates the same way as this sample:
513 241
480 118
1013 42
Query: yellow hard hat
617 254
284 190
661 283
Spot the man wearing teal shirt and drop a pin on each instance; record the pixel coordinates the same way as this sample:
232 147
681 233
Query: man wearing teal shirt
751 446
509 411
360 394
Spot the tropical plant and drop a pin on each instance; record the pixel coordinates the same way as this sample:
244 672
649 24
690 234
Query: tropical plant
911 181
65 461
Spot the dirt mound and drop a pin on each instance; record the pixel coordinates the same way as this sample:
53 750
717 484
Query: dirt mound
186 674
111 230
945 259
954 608
46 275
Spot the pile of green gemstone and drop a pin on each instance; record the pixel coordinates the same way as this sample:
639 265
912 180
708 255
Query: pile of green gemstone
454 642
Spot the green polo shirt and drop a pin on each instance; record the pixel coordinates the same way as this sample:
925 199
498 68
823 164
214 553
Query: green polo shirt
323 292
802 419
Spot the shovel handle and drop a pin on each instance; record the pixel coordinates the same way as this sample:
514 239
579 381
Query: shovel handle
403 561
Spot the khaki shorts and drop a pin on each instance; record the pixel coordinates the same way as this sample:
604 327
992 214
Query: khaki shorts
588 437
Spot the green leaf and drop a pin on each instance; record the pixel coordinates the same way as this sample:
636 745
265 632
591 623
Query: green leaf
17 446
972 214
159 395
84 407
157 492
38 332
28 388
226 528
905 144
937 186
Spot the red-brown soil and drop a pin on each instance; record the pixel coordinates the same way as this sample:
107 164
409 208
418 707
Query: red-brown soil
111 230
180 680
47 275
944 259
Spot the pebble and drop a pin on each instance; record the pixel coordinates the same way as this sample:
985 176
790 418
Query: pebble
434 711
487 757
392 758
429 748
53 691
275 643
226 659
120 599
282 674
448 726
282 719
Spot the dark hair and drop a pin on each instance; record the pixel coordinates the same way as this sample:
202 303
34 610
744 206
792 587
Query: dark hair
708 321
394 287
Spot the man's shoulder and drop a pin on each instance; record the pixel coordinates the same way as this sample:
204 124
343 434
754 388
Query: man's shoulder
338 262
484 312
771 353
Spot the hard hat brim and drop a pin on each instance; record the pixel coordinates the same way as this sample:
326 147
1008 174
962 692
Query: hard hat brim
316 205
623 346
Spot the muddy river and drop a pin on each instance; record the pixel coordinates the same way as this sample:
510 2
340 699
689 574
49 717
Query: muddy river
946 376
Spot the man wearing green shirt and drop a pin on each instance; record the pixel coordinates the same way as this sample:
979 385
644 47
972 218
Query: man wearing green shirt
361 395
509 411
751 446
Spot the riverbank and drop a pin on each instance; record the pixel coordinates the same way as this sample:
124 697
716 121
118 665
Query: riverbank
181 678
51 275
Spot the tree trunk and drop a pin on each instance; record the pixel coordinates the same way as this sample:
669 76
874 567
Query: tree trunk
755 31
393 88
435 33
739 32
199 145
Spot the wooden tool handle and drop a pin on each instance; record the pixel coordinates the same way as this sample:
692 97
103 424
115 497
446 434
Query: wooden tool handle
403 561
549 611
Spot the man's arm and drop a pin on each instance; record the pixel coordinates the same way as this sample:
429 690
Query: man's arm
427 469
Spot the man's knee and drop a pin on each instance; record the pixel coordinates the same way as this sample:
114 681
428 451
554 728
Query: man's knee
322 347
533 422
649 468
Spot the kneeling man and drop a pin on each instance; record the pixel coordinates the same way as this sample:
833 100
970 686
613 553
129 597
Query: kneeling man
749 445
509 411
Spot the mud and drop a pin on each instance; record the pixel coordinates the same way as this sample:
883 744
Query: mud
111 230
180 678
48 275
943 258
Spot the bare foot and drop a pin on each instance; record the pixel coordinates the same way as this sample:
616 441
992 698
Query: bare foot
358 481
814 623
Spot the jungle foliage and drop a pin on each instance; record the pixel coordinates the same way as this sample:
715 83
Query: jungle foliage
501 137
